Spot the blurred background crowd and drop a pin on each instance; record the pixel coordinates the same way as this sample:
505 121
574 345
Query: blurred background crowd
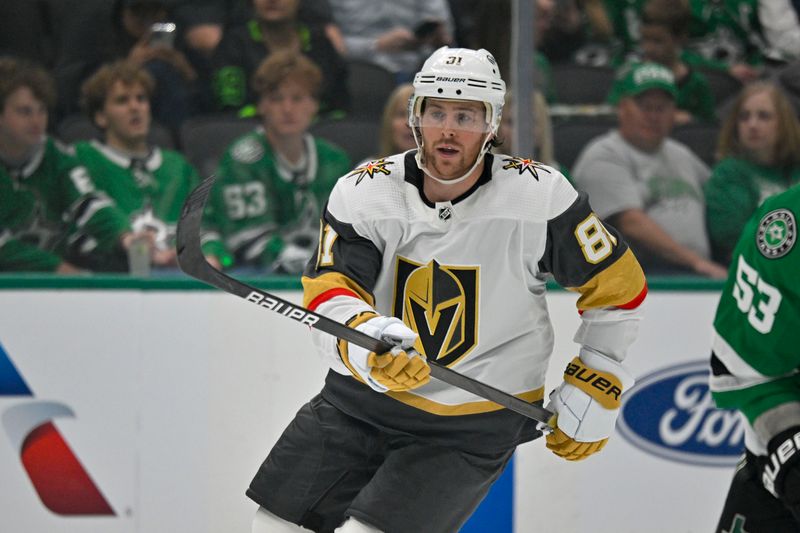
678 117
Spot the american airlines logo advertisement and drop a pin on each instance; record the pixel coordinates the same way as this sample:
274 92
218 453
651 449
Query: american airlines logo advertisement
55 471
670 413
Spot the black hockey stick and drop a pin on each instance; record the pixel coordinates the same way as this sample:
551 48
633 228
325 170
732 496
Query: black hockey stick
193 262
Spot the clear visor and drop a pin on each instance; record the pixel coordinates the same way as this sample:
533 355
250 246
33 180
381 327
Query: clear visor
464 115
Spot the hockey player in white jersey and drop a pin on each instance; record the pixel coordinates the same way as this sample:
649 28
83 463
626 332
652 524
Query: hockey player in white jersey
444 251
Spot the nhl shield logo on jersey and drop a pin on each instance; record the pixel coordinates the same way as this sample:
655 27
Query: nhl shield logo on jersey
524 165
440 303
370 169
777 233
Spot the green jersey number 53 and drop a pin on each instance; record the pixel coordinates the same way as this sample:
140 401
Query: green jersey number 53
755 297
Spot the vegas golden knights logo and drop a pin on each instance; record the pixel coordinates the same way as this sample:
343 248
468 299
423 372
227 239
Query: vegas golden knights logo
440 303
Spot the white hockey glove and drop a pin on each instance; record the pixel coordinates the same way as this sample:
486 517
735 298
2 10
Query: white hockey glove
400 369
586 405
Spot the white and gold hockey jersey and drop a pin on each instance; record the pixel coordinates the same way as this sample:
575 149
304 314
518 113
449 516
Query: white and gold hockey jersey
469 277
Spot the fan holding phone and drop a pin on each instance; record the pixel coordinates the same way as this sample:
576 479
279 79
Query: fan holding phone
162 34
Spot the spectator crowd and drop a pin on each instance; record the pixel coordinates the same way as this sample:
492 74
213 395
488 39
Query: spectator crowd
694 125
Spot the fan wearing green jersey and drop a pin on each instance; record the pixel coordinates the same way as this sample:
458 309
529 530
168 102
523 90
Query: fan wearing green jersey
759 147
51 215
664 32
724 35
273 181
754 364
727 35
148 183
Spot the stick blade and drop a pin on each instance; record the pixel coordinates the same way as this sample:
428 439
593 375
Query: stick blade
190 254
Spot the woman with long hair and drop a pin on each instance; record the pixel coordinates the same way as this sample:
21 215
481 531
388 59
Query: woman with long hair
395 133
759 156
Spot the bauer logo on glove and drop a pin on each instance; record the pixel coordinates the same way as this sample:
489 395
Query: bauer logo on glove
783 457
587 378
586 405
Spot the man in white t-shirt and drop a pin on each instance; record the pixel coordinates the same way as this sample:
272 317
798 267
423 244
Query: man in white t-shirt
647 185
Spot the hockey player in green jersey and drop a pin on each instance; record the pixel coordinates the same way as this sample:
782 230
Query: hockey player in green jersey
444 252
273 182
51 214
754 365
148 183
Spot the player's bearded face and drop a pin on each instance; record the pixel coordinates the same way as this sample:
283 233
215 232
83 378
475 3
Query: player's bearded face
453 132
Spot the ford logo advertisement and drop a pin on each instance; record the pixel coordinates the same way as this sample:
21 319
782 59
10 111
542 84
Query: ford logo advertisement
670 414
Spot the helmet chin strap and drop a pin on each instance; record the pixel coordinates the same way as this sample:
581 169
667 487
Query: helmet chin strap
430 174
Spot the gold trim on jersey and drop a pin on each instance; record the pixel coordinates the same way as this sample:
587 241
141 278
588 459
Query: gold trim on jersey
314 287
616 285
469 408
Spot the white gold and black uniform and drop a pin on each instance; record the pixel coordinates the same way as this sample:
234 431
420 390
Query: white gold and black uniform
469 277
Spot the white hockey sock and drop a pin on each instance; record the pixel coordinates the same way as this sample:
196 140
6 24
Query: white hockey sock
266 522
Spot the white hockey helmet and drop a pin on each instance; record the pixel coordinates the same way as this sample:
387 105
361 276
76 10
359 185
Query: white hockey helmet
458 74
